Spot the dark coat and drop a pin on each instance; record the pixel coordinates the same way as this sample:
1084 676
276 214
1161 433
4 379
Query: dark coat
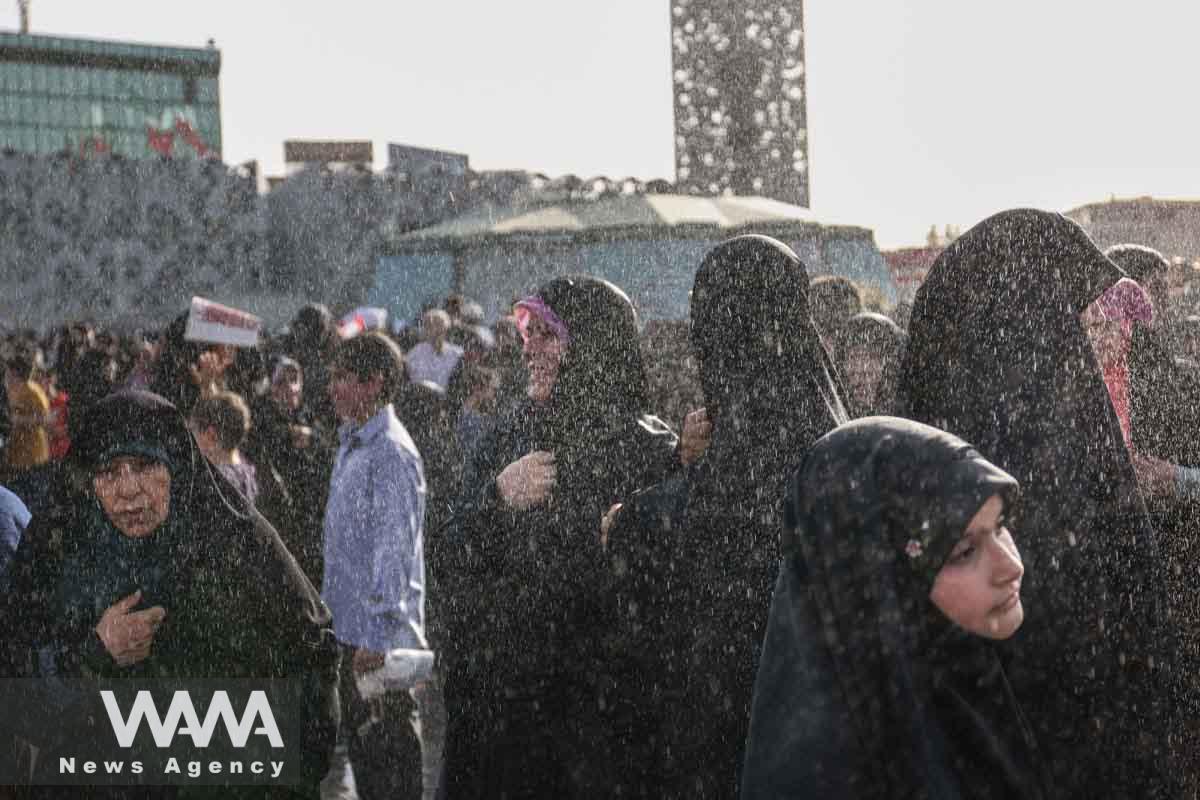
997 354
237 603
694 559
866 690
527 696
293 483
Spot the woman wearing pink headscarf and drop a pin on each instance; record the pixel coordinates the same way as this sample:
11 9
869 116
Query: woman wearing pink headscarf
1109 324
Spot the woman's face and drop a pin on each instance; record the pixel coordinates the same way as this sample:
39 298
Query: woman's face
543 355
288 390
135 494
863 370
979 586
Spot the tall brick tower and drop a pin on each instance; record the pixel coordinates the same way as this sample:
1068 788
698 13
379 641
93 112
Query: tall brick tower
740 108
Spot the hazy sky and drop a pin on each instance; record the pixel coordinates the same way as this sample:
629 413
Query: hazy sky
920 111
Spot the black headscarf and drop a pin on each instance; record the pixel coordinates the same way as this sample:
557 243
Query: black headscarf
1136 261
997 353
886 340
602 372
769 385
909 705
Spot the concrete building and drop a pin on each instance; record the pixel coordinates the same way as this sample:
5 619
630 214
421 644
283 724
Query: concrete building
646 242
85 96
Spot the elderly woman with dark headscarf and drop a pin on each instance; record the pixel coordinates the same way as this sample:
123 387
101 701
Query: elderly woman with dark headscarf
696 556
998 354
878 677
160 569
524 690
869 353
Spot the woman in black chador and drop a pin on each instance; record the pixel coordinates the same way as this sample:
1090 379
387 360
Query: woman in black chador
870 348
998 354
694 558
879 678
160 569
1164 397
1164 437
526 693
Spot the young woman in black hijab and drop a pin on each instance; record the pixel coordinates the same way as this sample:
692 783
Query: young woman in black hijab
694 558
159 568
525 691
878 677
998 354
870 347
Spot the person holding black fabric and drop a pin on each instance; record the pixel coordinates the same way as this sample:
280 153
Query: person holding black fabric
878 677
160 569
694 558
998 354
527 693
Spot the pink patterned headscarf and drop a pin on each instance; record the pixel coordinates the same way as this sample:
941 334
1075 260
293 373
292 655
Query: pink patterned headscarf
1128 302
534 306
1125 302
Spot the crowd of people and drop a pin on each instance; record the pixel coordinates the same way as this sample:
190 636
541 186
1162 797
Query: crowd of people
792 548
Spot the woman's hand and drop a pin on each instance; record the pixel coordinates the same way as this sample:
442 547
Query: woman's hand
607 522
210 368
127 634
697 433
528 481
365 661
1156 477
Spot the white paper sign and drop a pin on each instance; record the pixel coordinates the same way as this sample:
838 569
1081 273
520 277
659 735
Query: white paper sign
218 324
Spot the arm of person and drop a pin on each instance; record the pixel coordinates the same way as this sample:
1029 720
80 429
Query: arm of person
697 433
1187 483
29 410
396 581
14 517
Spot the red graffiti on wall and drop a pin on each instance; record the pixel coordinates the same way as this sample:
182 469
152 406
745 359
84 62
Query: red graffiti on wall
163 141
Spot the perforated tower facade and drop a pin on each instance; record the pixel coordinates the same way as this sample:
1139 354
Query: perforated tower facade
740 105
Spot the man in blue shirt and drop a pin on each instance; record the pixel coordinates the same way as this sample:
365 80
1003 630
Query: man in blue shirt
374 561
14 517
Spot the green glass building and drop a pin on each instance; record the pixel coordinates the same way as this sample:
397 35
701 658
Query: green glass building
87 96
